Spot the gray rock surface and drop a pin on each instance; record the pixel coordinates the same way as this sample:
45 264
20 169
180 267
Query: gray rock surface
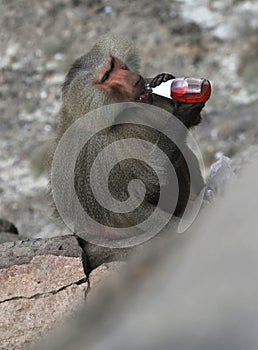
22 252
8 237
192 291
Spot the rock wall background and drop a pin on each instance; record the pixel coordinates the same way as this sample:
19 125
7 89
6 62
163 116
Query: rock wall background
40 39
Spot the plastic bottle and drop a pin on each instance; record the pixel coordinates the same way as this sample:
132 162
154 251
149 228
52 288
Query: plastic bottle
185 89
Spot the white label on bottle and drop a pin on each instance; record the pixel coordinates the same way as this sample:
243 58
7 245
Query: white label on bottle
164 89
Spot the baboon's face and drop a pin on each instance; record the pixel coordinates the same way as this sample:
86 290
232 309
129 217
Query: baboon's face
122 84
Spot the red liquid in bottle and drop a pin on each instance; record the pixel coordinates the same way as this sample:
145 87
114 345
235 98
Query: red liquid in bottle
190 90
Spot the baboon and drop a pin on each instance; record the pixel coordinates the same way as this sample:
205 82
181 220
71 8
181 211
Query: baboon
109 73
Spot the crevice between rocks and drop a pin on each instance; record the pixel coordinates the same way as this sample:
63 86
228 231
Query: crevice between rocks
53 292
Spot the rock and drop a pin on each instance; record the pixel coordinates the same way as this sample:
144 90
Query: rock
199 291
220 175
102 277
23 320
42 274
22 252
96 255
8 237
8 232
42 282
7 226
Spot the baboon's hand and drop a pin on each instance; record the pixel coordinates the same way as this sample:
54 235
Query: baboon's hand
188 113
161 78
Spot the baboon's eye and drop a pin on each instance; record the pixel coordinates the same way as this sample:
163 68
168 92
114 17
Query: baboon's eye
105 77
112 66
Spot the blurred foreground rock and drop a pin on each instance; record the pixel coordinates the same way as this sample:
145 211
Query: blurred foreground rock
103 277
193 291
